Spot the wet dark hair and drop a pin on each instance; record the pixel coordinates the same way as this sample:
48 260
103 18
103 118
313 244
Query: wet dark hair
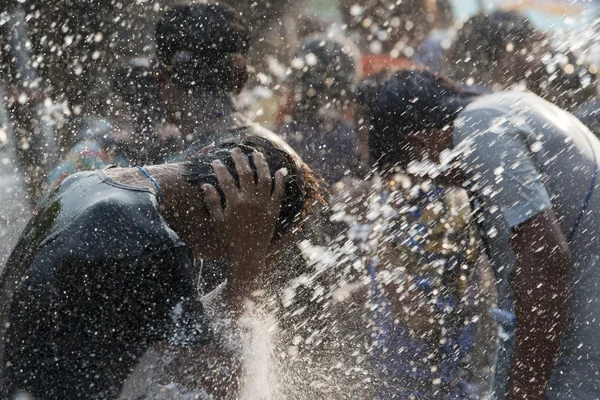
203 45
302 187
407 101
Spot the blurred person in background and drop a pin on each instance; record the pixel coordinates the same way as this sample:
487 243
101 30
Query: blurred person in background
201 50
180 103
427 274
317 127
388 32
504 49
497 50
531 170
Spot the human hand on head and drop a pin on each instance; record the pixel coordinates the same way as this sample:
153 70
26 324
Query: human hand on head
245 227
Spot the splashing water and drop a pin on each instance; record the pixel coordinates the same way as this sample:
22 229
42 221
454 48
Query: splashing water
260 380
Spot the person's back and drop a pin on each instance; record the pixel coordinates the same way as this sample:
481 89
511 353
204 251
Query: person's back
101 292
518 137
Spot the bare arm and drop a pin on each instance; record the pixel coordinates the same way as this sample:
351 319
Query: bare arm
543 263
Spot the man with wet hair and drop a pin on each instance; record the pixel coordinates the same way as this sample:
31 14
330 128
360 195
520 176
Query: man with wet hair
531 170
106 266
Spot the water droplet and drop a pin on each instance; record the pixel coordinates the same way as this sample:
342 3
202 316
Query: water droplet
535 147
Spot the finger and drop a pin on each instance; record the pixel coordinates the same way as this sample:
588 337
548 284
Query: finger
213 203
242 165
264 179
225 181
280 176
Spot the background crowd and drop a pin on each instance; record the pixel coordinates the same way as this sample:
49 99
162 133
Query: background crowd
407 279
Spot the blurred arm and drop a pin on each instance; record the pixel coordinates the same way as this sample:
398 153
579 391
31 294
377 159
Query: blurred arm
543 263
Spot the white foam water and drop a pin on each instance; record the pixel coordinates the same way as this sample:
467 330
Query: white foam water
259 372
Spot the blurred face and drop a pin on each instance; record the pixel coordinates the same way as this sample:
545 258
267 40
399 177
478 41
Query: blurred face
429 145
415 147
518 64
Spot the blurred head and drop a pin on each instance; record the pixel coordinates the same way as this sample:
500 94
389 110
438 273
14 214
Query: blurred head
302 187
139 110
500 48
409 115
564 80
389 24
324 71
203 46
504 48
